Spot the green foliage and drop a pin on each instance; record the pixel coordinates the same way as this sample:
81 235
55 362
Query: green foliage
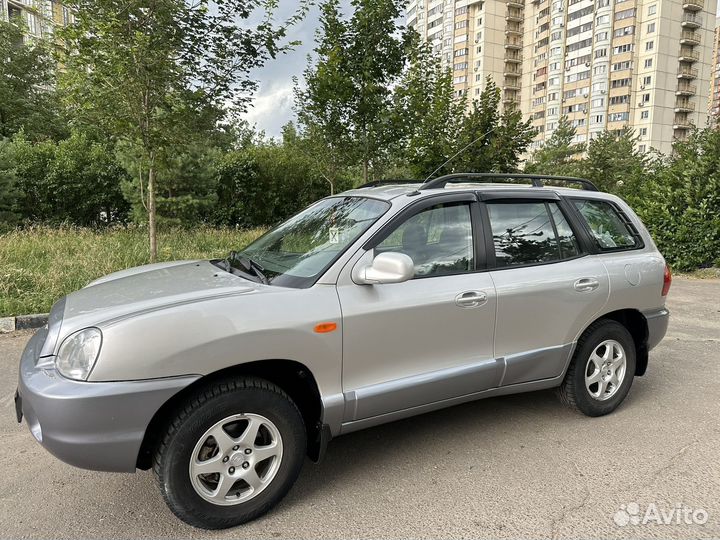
345 107
559 155
614 162
265 184
9 192
429 114
491 140
680 202
41 264
27 101
76 180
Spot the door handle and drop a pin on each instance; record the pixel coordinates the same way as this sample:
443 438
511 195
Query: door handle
586 284
470 299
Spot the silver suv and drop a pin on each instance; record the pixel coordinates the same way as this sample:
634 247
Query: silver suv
377 304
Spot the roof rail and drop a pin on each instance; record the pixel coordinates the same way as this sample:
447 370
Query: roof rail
537 180
376 183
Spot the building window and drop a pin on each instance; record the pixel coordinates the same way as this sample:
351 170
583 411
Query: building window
599 70
602 3
461 52
624 14
645 98
643 132
601 36
644 115
623 48
598 119
461 24
619 83
603 19
601 53
642 147
648 62
624 31
651 28
652 10
647 80
649 46
618 117
598 102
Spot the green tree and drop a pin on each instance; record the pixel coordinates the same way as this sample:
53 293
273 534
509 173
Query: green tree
559 155
160 76
614 162
27 100
429 112
345 107
491 140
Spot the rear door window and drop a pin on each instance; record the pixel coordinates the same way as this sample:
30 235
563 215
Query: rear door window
610 230
530 232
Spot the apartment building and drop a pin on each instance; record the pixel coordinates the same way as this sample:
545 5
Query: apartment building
41 17
604 64
714 101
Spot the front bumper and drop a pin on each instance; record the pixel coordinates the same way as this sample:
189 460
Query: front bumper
92 425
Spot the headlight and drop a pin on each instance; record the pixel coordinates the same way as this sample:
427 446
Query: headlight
78 353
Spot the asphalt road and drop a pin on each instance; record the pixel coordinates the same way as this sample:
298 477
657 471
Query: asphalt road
512 467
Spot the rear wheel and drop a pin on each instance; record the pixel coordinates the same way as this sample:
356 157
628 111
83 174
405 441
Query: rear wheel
231 453
601 371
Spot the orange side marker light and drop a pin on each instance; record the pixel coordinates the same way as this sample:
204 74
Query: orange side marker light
325 327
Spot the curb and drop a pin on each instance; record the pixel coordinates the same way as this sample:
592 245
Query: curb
22 322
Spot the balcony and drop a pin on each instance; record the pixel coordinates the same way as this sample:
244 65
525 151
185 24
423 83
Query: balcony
511 71
688 56
688 37
687 73
693 5
690 20
686 90
513 30
514 15
513 57
515 4
513 44
684 105
511 85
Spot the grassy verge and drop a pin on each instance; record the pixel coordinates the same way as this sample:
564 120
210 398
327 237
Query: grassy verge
702 273
39 265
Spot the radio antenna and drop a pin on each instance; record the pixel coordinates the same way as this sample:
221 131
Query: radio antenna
456 154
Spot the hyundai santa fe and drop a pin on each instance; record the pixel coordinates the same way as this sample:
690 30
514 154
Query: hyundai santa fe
373 305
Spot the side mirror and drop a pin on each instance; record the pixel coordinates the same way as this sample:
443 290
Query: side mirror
389 267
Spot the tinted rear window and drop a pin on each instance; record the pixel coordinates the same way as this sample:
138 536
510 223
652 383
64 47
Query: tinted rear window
608 228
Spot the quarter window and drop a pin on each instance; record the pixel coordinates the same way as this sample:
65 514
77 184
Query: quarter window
438 239
530 233
608 228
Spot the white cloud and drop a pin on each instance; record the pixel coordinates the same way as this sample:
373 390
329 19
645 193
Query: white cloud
272 107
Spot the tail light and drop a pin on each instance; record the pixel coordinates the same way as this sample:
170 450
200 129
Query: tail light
667 280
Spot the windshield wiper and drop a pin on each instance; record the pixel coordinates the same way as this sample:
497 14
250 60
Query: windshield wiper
247 265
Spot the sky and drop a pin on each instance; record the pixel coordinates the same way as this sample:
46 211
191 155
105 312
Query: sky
273 104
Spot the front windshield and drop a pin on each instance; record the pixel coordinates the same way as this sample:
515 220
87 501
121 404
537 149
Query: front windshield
296 252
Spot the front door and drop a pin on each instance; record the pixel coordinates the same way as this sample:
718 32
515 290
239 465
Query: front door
430 338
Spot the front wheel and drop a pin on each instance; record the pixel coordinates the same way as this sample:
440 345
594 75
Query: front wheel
601 371
231 453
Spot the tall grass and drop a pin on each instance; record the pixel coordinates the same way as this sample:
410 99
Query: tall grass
38 265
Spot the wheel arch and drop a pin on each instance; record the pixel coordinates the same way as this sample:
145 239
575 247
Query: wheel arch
294 378
637 325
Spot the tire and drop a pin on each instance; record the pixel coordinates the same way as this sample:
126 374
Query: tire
237 407
589 398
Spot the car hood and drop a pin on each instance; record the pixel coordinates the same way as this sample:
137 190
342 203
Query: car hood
147 288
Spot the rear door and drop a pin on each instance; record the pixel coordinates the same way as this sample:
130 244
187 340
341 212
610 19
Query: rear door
548 287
